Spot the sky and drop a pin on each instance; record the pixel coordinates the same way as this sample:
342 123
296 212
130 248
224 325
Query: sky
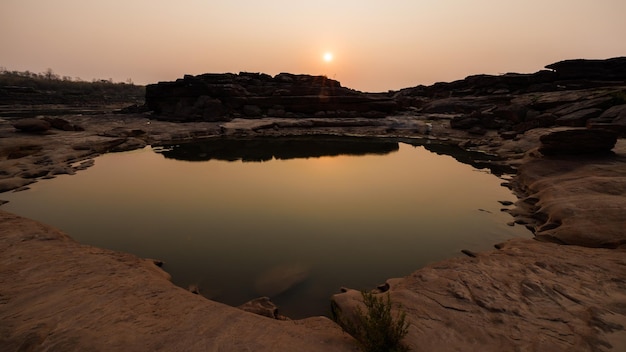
376 45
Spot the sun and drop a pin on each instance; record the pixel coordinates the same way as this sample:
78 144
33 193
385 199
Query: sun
328 56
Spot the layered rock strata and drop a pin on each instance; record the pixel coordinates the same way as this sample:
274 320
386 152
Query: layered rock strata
222 97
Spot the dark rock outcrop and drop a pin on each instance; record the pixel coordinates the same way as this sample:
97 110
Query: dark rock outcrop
62 124
32 125
567 74
578 141
573 93
603 70
221 97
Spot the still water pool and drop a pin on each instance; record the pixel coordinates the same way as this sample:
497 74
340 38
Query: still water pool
292 218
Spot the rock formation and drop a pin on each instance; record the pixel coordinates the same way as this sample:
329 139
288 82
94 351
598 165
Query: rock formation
578 142
222 97
613 69
567 95
526 295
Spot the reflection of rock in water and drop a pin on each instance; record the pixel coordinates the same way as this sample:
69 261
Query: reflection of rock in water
280 279
262 149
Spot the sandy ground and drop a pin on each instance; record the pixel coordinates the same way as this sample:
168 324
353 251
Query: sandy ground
58 295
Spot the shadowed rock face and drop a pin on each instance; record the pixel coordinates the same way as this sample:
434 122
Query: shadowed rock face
221 97
571 142
574 93
607 70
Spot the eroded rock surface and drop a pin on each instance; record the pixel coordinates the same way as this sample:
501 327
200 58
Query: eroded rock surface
58 295
577 200
526 296
578 141
531 295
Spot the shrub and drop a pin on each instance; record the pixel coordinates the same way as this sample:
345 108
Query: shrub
376 329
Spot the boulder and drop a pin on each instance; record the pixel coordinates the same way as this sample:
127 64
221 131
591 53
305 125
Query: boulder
613 119
62 124
464 122
32 125
585 102
262 306
578 141
524 296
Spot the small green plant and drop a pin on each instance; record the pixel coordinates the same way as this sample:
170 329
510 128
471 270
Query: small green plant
376 329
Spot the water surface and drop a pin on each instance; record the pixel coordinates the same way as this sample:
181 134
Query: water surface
294 219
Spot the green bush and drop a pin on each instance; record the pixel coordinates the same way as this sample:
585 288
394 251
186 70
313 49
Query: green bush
376 329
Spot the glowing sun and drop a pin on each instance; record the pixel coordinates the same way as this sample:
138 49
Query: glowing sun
328 57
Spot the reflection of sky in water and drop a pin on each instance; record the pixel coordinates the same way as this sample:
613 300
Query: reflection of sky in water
350 220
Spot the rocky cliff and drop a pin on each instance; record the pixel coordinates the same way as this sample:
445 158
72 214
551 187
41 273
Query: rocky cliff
565 94
222 97
572 93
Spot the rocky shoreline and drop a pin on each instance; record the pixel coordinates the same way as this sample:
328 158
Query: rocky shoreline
562 291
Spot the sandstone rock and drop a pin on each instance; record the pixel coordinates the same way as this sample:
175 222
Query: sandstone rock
613 118
616 113
32 125
34 173
194 288
504 299
129 144
578 141
62 124
527 295
123 132
215 97
511 112
262 306
578 118
579 201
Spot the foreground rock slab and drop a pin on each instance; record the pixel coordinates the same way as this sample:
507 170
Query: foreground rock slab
577 200
526 296
58 295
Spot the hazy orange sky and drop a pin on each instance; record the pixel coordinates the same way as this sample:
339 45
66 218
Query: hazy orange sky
376 45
